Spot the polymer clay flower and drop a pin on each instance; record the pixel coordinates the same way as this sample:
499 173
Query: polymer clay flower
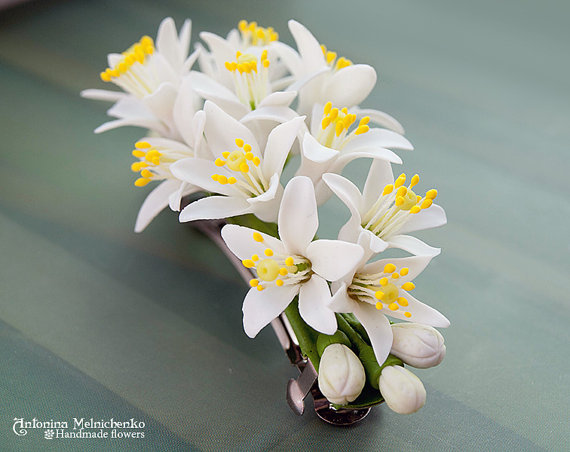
418 345
155 157
387 209
150 78
335 139
243 178
338 80
341 374
382 288
294 265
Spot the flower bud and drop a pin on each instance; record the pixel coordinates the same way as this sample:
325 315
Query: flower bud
341 375
418 345
402 390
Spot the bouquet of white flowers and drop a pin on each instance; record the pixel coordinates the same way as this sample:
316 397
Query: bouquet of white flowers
224 134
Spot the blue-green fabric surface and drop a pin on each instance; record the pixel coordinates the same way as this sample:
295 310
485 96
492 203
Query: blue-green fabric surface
96 321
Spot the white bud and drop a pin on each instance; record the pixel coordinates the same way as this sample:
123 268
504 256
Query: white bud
341 374
402 390
418 345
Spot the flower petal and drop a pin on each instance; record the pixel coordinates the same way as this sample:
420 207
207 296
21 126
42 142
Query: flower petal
431 217
199 172
211 90
380 118
379 176
314 298
175 198
266 206
381 138
371 153
183 111
278 114
298 220
332 259
241 242
340 301
221 131
420 312
278 146
102 94
413 245
415 265
278 99
154 203
214 207
347 192
378 328
261 307
315 151
161 102
308 47
351 85
167 42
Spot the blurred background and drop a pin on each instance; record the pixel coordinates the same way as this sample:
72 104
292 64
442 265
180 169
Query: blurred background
96 321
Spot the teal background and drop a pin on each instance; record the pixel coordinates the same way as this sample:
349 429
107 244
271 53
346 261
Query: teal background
96 321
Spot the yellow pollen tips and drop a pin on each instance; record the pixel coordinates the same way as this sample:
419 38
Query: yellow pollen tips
388 189
142 145
361 129
379 294
400 181
105 76
219 162
426 203
146 173
260 287
136 53
378 305
138 154
141 182
431 194
225 154
232 180
243 167
256 161
395 275
248 263
327 108
407 314
393 306
278 282
404 271
283 271
222 179
414 180
214 177
389 268
383 281
247 147
415 209
254 282
401 191
239 142
289 262
408 286
255 257
402 302
267 270
257 237
268 252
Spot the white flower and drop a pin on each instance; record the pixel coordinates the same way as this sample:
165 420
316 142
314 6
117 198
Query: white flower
418 345
341 374
336 139
293 265
403 391
387 209
381 288
155 156
246 179
150 79
337 79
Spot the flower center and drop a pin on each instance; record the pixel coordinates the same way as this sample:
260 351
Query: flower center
254 35
331 57
382 288
251 84
244 171
277 269
131 72
394 207
335 124
154 162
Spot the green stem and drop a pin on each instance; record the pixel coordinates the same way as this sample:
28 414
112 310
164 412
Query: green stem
306 336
